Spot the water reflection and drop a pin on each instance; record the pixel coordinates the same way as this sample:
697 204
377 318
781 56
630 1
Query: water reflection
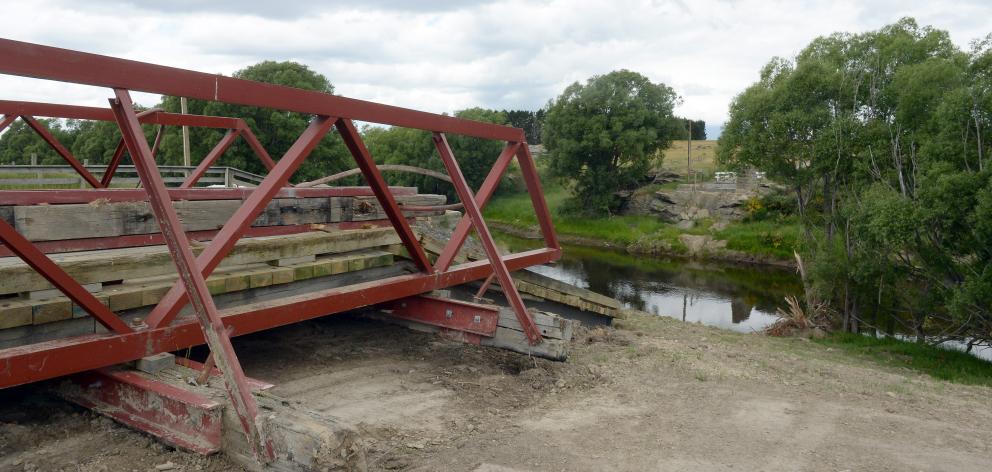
741 298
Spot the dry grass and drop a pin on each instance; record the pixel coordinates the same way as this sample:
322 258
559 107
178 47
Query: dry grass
797 320
703 157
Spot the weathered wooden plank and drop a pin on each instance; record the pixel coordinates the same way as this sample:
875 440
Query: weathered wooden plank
150 261
7 214
107 219
28 334
513 340
557 333
147 292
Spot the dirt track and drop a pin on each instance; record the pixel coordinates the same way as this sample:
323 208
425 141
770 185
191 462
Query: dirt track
655 394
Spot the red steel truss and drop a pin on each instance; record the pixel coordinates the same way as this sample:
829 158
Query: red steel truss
28 111
165 330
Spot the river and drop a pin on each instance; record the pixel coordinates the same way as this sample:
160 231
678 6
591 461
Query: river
739 297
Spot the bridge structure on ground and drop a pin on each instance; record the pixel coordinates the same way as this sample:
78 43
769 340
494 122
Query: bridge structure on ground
185 312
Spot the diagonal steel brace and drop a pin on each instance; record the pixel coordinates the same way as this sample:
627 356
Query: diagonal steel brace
213 328
486 238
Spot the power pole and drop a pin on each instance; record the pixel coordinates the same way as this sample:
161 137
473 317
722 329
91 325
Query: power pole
688 154
183 110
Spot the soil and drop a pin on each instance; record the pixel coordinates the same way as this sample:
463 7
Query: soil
651 394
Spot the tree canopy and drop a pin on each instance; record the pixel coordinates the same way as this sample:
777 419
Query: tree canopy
601 135
275 129
881 137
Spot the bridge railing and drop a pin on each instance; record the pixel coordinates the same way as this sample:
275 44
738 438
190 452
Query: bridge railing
53 176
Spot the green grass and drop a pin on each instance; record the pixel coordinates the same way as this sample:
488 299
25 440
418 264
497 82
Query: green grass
516 210
766 238
771 238
945 364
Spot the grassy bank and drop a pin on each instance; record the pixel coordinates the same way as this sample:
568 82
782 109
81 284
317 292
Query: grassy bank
643 233
945 364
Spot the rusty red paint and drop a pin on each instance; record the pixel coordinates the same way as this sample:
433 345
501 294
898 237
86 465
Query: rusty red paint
225 142
195 284
59 197
225 240
373 177
486 238
54 143
64 65
482 197
31 363
446 313
177 416
40 361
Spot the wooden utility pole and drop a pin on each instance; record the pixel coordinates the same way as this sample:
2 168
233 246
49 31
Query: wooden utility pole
183 110
688 154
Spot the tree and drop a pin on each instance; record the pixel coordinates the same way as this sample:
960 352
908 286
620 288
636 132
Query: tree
275 129
529 121
698 128
880 136
600 136
20 142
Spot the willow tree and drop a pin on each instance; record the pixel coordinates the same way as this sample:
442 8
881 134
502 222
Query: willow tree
881 136
600 135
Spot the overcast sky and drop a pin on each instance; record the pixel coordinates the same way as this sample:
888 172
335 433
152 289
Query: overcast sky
445 55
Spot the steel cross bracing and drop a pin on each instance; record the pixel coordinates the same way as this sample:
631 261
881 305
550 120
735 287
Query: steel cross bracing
163 329
29 111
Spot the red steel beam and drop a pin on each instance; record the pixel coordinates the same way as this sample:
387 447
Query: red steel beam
486 238
115 161
256 202
154 239
61 150
486 191
150 117
446 313
59 278
533 182
35 362
46 62
193 280
158 139
59 197
225 142
6 121
374 178
256 146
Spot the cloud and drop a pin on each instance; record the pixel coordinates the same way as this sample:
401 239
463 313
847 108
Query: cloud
446 55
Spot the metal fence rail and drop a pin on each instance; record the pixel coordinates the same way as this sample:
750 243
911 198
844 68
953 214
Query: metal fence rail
44 176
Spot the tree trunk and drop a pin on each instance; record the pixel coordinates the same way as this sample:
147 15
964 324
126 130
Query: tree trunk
978 133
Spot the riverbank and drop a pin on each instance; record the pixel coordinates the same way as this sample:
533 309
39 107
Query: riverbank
759 242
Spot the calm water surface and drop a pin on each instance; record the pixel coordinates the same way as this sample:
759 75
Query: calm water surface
731 296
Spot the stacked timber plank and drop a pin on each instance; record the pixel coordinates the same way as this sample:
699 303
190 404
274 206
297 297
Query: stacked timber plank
102 219
130 280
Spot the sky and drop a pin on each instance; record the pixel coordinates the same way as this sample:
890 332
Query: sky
447 55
